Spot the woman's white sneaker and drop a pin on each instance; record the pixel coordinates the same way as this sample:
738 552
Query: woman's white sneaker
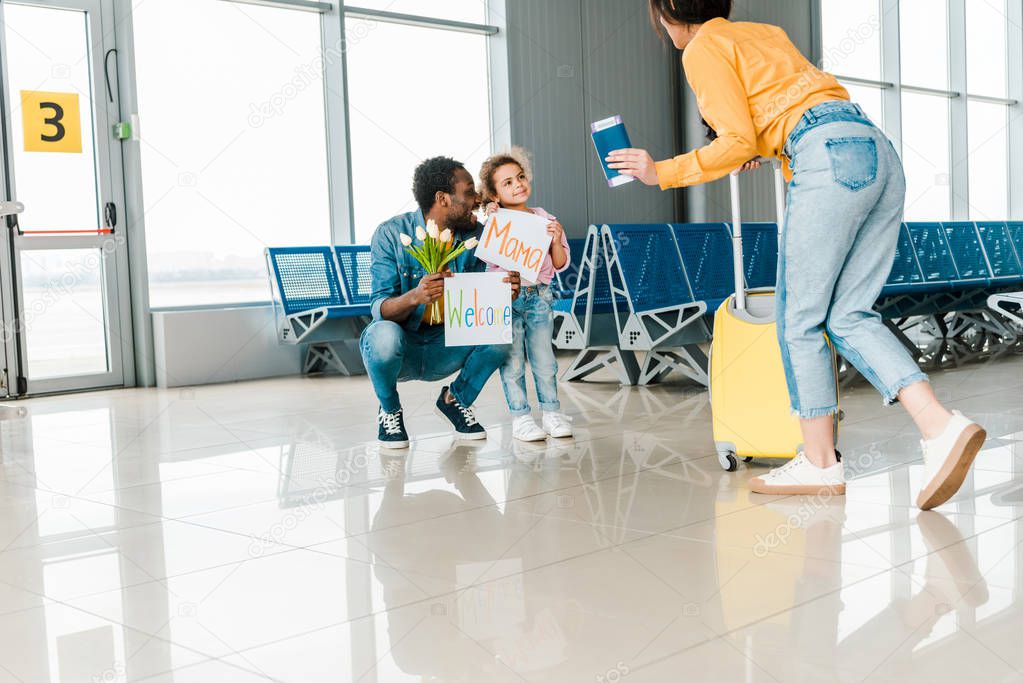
800 477
524 428
557 424
947 460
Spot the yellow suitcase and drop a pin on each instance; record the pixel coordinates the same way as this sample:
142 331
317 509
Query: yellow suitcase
750 406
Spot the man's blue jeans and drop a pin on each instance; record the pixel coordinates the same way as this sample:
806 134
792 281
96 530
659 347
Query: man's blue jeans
393 354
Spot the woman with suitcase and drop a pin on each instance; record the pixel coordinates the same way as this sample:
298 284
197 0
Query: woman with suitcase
845 203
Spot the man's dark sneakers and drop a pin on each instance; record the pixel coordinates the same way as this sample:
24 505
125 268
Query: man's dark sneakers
461 418
391 433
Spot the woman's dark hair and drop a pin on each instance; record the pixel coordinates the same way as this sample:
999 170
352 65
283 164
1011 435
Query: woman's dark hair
433 176
689 12
712 134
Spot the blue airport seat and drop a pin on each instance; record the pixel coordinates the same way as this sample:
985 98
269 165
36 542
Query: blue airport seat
933 255
1015 229
654 309
967 254
650 266
306 279
310 306
706 250
564 284
354 262
905 275
1003 260
760 254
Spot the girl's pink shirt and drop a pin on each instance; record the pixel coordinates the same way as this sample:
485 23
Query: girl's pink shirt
547 269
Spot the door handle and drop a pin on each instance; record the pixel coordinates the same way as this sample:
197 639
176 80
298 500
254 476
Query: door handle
10 211
110 216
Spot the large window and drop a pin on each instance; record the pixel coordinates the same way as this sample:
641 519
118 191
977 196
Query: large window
940 78
234 155
987 77
437 103
242 140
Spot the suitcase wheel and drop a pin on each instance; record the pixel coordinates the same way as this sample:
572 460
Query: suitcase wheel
727 461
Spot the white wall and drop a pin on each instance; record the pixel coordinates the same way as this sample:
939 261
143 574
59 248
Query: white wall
223 345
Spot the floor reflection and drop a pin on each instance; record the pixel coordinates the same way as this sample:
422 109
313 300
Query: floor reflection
143 535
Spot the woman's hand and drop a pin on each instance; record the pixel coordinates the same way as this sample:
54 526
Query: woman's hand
555 230
491 208
634 162
751 165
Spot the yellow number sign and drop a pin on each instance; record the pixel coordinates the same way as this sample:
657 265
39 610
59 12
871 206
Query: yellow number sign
52 121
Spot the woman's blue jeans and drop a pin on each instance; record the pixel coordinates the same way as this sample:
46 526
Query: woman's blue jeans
842 222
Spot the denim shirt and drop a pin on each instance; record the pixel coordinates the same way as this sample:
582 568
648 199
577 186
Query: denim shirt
395 271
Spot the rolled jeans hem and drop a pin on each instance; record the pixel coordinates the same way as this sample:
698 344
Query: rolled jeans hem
554 407
458 390
814 413
519 412
891 396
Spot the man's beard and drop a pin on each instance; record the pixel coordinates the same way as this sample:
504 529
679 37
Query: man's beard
463 224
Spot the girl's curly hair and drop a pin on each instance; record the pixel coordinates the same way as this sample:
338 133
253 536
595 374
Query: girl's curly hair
513 155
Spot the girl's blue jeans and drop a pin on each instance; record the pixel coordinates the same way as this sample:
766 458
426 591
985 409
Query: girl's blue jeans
532 331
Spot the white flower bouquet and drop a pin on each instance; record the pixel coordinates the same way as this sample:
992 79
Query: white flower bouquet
435 251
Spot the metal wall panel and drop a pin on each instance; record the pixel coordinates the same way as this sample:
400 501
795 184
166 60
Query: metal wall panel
797 18
573 62
545 80
630 71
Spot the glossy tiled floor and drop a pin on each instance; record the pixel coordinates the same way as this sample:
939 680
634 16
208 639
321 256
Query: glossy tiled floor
249 532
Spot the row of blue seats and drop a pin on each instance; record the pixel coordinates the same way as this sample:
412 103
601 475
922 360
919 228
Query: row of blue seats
650 279
312 285
929 257
665 268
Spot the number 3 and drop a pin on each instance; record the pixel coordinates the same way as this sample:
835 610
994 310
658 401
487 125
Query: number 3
55 121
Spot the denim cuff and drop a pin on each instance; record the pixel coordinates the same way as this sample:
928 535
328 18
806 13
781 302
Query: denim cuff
815 413
891 395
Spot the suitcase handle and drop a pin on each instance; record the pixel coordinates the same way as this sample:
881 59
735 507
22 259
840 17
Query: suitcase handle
737 259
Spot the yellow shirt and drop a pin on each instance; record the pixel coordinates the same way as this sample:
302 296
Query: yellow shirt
752 86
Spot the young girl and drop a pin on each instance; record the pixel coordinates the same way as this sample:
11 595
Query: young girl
844 209
506 181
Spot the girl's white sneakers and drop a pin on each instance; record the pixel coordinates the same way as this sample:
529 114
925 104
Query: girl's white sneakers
524 428
557 424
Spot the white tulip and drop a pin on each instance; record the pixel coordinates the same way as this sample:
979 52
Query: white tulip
471 243
446 235
420 233
406 240
432 230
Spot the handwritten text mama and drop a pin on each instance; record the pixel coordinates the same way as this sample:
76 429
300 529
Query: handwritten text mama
528 257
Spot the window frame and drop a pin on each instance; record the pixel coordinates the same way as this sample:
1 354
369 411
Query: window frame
333 39
338 118
959 97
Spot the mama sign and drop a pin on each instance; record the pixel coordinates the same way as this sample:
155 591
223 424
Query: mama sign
477 309
515 240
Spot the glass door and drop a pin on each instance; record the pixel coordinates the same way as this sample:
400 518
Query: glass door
67 251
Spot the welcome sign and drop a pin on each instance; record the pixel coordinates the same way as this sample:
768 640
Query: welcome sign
477 309
515 240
